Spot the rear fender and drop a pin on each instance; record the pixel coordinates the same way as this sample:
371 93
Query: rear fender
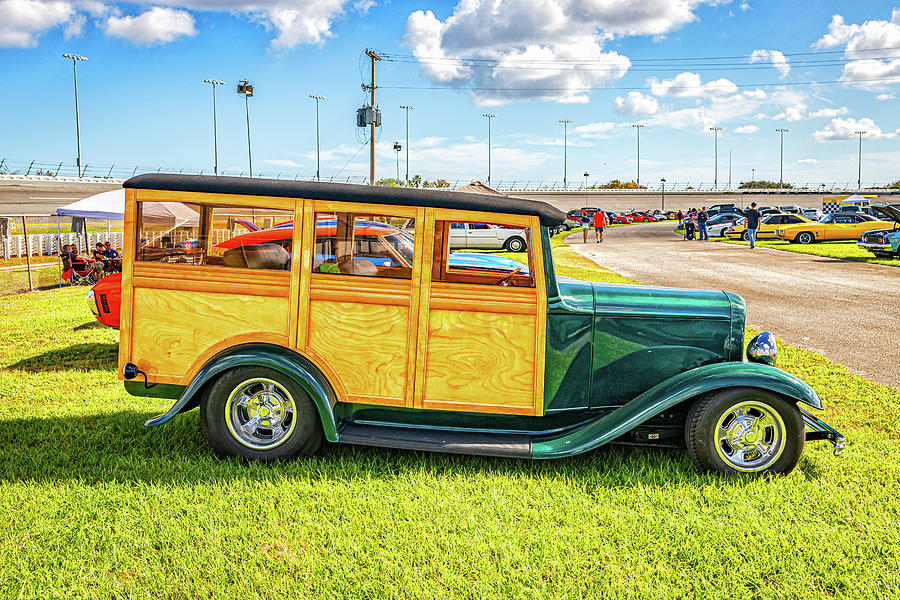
683 387
280 359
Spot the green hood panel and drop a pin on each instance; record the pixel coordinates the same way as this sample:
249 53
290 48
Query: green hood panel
646 301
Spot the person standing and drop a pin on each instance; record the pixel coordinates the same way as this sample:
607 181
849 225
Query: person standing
752 217
585 225
599 224
702 218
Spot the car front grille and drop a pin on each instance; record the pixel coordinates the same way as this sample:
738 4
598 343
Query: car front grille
104 303
873 239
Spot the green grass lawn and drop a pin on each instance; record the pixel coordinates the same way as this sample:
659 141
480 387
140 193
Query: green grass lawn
95 505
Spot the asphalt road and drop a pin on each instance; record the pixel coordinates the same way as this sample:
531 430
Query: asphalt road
43 198
847 311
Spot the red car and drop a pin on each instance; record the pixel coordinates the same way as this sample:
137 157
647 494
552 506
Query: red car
619 219
642 217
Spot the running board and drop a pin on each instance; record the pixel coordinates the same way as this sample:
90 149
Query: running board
430 440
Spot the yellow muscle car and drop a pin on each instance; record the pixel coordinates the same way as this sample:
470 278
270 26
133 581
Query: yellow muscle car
767 226
836 226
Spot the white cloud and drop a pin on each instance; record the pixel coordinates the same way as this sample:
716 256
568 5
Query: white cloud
827 113
880 35
746 129
602 130
845 129
807 161
885 97
800 112
636 104
22 22
775 57
282 162
564 39
155 26
690 85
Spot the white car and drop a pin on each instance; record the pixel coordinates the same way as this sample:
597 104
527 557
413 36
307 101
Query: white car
718 230
485 236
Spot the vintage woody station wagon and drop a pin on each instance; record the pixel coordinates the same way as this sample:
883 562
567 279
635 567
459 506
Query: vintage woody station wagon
328 331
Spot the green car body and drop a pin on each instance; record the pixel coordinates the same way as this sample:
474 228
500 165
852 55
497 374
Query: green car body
623 364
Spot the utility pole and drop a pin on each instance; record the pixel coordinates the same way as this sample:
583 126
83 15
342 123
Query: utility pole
716 176
565 123
781 167
729 168
316 97
586 175
75 58
637 127
407 109
374 57
859 172
489 117
247 90
663 207
213 83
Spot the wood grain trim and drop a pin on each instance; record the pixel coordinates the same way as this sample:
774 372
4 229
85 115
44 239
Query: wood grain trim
126 315
222 199
330 206
465 304
490 293
235 276
420 271
353 284
367 297
540 325
191 285
306 259
296 266
426 231
376 400
320 363
502 409
229 342
447 214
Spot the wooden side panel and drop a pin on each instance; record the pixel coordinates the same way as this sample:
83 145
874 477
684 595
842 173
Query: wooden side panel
480 361
178 326
366 345
297 264
126 316
220 199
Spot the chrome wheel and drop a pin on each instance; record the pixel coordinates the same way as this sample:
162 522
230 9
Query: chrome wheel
750 436
260 413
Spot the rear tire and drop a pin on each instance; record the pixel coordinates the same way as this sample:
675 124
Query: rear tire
515 244
745 236
260 414
744 430
805 237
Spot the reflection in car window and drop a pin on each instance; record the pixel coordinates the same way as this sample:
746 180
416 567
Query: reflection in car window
367 245
455 261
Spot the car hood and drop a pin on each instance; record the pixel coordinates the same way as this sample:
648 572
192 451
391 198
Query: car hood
893 211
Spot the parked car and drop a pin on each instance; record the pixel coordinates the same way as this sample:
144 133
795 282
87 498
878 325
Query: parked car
435 357
813 214
716 209
639 217
719 228
767 226
617 219
836 226
883 242
790 209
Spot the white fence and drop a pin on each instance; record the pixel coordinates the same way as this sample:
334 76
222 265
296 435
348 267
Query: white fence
47 244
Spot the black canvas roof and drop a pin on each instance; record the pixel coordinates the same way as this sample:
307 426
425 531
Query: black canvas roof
348 193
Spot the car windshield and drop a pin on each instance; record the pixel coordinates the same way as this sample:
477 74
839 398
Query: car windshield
403 243
827 219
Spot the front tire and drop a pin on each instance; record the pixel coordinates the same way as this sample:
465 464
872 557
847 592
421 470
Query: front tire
745 236
805 237
744 430
515 244
260 414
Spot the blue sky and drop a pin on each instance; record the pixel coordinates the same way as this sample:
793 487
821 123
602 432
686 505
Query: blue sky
143 101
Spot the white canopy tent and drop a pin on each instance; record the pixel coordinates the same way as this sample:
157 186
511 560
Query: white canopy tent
110 206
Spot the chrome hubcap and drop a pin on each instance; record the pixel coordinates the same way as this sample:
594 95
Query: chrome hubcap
260 413
750 436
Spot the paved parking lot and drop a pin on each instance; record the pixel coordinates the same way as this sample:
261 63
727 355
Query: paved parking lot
847 311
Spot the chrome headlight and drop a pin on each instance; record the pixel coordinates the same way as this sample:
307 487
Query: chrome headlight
90 295
763 349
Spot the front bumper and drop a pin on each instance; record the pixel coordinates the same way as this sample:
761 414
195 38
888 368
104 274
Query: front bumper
91 301
820 430
875 247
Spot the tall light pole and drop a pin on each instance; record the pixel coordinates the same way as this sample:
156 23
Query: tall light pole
489 117
859 172
407 109
781 167
663 207
247 90
213 83
397 148
316 97
75 58
586 175
716 176
637 127
565 123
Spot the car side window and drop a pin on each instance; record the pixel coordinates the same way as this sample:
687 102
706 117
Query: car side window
364 245
478 226
509 264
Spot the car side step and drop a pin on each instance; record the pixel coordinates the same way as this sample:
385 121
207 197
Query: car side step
430 440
